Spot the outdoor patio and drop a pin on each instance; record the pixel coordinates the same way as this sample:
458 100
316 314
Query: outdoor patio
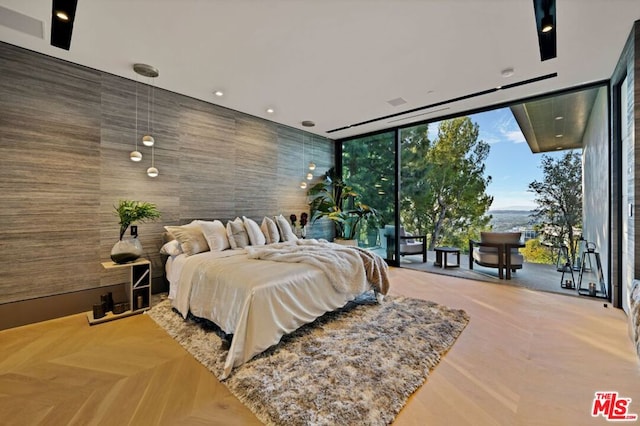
532 275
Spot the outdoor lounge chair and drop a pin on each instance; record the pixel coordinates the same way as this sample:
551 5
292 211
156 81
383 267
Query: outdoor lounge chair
497 250
413 244
409 244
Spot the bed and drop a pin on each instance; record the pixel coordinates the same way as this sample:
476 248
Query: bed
258 294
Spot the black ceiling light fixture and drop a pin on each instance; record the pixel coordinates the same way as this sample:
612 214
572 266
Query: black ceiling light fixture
546 23
63 15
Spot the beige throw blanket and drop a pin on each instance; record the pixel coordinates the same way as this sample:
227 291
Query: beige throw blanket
350 269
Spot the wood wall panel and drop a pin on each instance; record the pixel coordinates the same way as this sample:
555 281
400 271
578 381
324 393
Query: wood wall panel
207 161
256 174
49 160
65 136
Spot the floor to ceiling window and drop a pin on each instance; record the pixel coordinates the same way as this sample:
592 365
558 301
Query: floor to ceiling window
448 180
368 166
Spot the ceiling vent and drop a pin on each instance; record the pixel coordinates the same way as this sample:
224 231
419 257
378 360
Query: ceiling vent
396 102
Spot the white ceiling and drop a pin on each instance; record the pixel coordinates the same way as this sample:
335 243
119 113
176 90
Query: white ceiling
338 62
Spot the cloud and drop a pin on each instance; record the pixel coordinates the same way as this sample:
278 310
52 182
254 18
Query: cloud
514 136
508 128
490 138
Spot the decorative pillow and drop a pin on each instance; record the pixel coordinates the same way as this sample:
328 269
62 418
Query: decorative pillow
172 248
190 237
286 233
256 237
238 237
215 233
270 230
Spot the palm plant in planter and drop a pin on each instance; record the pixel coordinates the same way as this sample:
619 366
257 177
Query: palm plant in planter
130 212
333 199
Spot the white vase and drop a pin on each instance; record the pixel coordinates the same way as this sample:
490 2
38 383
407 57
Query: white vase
126 250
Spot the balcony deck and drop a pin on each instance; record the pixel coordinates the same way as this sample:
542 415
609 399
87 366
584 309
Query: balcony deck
533 276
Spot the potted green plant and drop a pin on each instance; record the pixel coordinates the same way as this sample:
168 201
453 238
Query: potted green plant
333 199
128 249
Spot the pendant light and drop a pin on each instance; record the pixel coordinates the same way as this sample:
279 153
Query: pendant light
148 140
151 171
136 155
312 165
303 183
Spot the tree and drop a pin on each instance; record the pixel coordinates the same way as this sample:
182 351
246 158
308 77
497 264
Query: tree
443 183
368 166
535 252
559 199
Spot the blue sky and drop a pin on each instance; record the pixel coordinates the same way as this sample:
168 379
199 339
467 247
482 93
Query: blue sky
511 164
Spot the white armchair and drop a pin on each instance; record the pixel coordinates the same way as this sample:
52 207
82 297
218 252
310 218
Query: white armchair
497 250
409 244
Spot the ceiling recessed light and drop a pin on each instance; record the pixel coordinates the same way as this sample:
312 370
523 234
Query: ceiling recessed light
559 117
62 15
547 23
308 123
507 72
218 93
270 110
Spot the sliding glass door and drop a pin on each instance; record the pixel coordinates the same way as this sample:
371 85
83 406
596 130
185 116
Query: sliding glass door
369 167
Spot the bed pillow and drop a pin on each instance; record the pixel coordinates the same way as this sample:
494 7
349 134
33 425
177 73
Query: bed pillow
256 237
236 233
270 230
286 233
172 248
216 235
190 237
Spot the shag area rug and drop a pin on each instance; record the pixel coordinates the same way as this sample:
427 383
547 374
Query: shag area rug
357 365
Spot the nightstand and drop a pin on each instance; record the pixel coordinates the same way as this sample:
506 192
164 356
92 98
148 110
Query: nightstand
138 289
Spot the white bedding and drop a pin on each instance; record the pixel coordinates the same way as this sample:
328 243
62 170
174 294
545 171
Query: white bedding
258 301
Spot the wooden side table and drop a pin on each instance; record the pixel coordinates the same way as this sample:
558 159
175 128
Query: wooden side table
138 290
442 254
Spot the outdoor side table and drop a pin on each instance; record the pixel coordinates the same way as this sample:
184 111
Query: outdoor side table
442 255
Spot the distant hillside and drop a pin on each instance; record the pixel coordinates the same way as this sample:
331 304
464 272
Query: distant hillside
506 220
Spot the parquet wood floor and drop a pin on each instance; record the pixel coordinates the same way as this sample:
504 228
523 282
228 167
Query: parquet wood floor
526 358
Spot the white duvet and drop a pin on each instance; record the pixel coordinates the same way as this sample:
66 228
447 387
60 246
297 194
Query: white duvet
258 301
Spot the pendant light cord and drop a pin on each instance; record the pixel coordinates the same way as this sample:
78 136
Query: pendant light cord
136 113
